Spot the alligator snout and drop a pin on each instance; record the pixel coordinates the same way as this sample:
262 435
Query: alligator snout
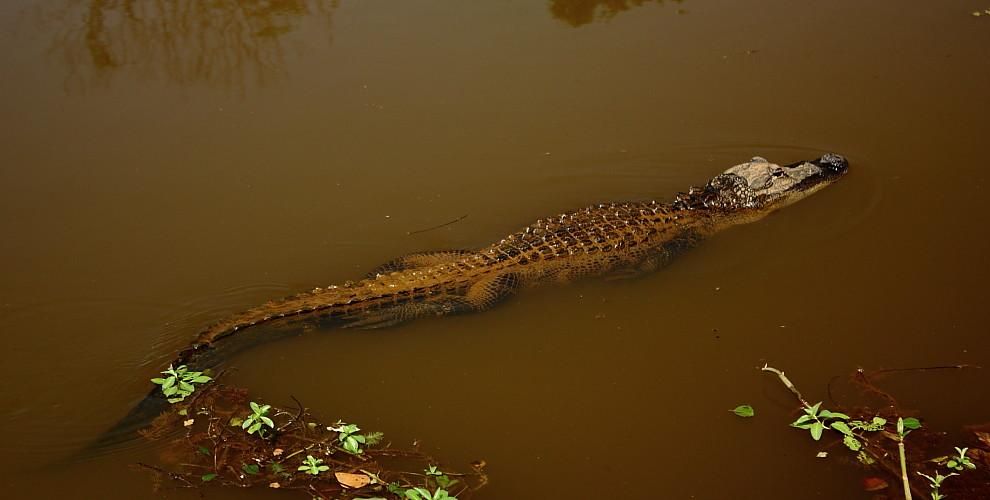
832 163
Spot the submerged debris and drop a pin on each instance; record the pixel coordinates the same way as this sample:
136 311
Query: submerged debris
901 455
220 437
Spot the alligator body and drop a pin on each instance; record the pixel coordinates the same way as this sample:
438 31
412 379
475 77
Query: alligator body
599 240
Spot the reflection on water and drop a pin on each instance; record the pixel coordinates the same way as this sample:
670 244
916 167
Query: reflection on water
220 42
580 12
228 43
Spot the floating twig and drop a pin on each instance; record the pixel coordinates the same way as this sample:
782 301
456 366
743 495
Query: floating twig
787 383
445 224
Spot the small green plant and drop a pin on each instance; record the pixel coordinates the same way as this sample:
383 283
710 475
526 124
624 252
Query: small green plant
349 438
258 419
961 461
313 466
424 494
872 426
936 482
179 382
441 478
252 469
816 420
909 423
744 411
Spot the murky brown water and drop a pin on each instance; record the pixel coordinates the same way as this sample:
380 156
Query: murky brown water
165 163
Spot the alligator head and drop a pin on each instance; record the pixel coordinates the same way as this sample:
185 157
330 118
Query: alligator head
758 187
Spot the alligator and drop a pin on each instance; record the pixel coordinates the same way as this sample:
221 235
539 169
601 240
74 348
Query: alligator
606 239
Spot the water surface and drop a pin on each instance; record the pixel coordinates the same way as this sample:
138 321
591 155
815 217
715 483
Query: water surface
166 163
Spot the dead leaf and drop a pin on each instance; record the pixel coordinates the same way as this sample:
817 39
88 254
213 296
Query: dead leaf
188 423
277 451
874 484
980 456
349 480
274 485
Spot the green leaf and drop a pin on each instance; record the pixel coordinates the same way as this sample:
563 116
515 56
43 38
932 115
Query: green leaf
158 381
169 382
851 443
841 427
202 450
202 379
833 414
236 421
816 430
246 422
802 420
251 469
744 411
418 494
268 422
208 477
254 407
912 423
351 445
814 409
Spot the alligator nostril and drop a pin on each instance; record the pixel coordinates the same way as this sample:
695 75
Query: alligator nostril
834 163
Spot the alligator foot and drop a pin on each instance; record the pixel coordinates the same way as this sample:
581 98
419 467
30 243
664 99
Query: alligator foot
480 296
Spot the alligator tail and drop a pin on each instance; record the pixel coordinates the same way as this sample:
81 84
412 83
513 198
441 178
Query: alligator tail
217 344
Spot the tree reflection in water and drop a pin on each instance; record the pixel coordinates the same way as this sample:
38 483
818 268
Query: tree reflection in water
228 43
581 12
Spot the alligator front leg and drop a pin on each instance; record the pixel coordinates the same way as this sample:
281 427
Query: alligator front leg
480 296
